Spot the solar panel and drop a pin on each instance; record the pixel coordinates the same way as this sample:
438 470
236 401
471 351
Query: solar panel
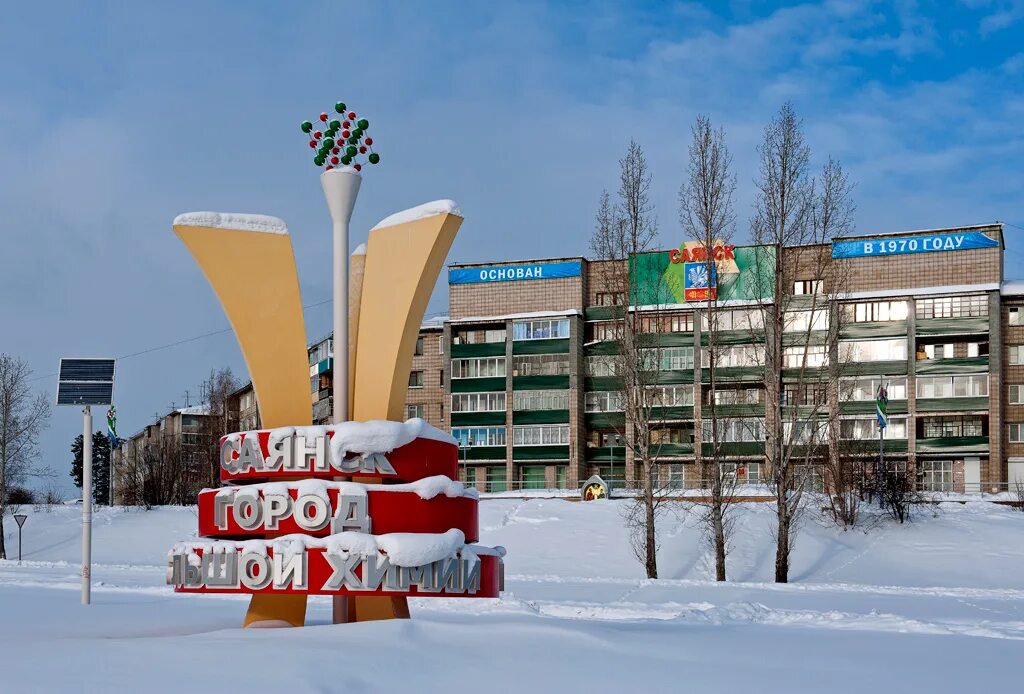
85 382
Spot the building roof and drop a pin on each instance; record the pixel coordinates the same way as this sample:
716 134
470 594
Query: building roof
966 227
1012 288
531 261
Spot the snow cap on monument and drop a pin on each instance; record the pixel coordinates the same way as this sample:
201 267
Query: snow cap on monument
239 221
427 209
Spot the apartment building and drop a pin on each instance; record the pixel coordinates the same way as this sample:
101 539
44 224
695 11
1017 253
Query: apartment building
533 397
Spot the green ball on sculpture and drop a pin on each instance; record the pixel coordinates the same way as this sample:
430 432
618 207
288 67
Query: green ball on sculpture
363 123
351 150
346 160
357 133
340 107
374 157
306 126
335 124
328 142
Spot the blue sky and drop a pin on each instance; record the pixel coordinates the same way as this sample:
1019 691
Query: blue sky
119 116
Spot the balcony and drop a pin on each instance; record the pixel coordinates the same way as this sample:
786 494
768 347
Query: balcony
955 444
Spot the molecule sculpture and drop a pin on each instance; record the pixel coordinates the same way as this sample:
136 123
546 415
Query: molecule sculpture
342 141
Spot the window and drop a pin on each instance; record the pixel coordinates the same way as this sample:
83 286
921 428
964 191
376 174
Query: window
414 411
540 400
478 402
1016 354
977 349
805 431
944 351
866 429
1013 316
440 378
935 475
804 394
1017 395
670 396
676 476
735 430
419 347
541 435
497 481
604 330
540 365
741 473
477 337
667 358
321 351
547 329
677 323
604 401
953 307
875 311
873 350
605 438
602 366
738 355
952 386
808 287
816 356
1016 433
415 379
802 321
867 388
663 435
737 396
469 437
810 478
611 298
484 367
952 427
735 320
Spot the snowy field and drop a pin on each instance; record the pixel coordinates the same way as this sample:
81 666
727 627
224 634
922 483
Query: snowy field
936 606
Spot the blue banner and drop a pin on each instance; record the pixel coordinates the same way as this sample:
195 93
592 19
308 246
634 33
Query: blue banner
901 245
514 273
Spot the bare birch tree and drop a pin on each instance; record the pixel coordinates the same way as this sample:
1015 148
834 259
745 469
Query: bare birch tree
23 416
623 230
217 390
706 214
795 220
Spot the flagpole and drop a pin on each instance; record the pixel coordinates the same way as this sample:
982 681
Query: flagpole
881 416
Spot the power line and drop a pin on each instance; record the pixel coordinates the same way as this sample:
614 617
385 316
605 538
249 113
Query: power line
178 342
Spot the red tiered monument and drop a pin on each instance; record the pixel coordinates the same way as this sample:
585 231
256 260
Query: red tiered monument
290 520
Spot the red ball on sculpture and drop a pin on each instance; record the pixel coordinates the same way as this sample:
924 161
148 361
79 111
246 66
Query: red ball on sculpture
334 160
312 144
358 167
329 167
368 140
317 135
362 150
323 117
346 124
351 115
345 134
335 150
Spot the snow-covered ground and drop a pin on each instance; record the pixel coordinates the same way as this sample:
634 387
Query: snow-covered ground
936 605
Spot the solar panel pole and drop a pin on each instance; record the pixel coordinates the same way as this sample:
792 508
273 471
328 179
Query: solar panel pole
86 503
